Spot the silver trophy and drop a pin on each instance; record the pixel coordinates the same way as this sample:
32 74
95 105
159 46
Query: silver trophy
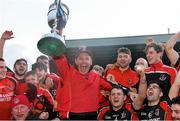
53 44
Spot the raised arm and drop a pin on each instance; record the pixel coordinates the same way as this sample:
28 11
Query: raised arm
5 36
169 48
138 101
174 91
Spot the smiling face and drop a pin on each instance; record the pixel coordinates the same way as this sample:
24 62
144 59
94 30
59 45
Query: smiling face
175 112
123 60
117 98
20 68
153 56
20 112
83 62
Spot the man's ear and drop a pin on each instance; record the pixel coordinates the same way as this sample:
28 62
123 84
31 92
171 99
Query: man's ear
161 94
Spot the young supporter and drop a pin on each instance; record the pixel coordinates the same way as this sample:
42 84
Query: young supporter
79 97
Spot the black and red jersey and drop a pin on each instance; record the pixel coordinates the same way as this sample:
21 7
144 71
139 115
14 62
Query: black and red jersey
125 113
158 112
163 73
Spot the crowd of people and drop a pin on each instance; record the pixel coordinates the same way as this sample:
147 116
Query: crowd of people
81 91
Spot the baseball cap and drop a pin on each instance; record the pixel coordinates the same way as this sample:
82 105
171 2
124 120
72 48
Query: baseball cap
20 99
83 49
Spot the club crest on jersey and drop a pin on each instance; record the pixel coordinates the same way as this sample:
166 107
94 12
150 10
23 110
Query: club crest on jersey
157 112
162 77
123 115
150 114
129 81
10 87
107 117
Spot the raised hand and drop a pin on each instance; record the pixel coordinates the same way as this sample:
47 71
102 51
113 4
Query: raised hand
7 35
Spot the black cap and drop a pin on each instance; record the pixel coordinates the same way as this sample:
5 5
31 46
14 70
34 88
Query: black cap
83 49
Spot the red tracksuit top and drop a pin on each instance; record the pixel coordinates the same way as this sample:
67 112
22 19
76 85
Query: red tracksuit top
79 92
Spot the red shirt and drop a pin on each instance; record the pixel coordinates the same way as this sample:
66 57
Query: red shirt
127 78
79 92
7 91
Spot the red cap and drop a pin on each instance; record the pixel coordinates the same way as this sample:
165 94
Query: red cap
20 99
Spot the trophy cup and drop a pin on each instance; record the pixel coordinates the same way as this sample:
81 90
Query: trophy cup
53 44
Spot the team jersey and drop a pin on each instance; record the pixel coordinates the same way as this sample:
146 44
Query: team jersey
125 113
163 73
7 91
127 78
79 91
158 112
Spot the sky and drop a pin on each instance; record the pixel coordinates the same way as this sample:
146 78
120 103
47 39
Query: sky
88 19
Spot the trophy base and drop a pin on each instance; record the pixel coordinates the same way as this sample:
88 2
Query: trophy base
52 45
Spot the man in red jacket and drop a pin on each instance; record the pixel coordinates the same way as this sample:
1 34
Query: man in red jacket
79 95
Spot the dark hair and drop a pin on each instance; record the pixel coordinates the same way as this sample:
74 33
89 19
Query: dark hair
42 57
124 50
176 100
40 66
125 90
1 59
21 59
157 47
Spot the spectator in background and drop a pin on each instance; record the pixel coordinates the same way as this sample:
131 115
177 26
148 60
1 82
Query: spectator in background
103 94
141 61
43 59
98 69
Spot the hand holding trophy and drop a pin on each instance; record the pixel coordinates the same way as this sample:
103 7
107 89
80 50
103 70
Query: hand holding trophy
53 44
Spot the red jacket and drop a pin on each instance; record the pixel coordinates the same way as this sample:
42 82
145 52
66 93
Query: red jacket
79 92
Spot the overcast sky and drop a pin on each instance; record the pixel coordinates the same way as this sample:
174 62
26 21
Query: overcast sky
87 19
